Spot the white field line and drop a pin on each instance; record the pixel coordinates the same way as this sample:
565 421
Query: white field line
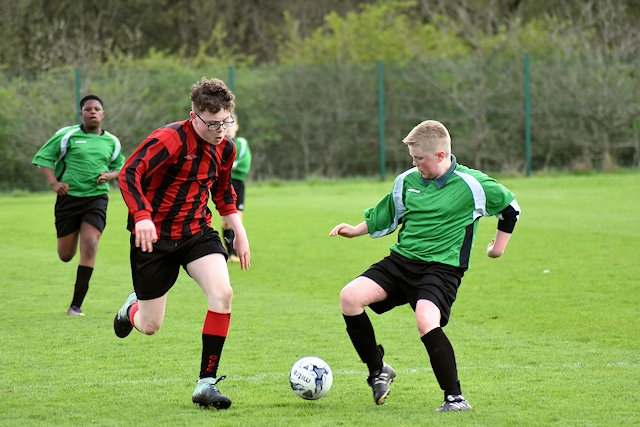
269 376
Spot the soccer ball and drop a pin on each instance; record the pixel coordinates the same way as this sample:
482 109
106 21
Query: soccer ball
310 378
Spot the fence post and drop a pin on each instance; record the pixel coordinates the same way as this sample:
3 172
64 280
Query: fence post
381 119
527 113
78 96
231 83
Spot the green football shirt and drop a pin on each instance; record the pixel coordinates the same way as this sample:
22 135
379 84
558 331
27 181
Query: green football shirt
77 158
438 218
242 164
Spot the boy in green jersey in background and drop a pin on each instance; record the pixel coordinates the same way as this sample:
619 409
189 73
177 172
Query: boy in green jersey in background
437 204
241 167
78 162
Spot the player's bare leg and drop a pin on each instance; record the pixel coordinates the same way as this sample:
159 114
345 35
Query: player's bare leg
356 295
210 272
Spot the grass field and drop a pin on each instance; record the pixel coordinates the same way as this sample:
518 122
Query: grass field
549 334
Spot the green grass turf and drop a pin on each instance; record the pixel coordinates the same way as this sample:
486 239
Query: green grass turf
549 334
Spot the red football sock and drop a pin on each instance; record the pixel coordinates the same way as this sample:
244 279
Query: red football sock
216 324
132 312
214 333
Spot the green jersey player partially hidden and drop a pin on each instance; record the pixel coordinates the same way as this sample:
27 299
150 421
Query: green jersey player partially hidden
437 205
78 161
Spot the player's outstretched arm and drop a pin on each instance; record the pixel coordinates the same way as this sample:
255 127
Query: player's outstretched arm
498 244
241 241
347 230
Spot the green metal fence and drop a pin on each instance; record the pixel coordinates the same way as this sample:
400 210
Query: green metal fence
515 115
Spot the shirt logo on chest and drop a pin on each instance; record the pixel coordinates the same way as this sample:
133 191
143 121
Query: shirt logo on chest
413 190
190 157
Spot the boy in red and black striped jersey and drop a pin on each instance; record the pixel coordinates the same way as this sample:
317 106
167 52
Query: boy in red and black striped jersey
166 184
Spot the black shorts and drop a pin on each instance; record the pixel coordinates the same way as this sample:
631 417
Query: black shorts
154 273
238 186
407 281
71 211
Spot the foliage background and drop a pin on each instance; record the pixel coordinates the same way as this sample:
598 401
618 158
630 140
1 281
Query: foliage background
306 78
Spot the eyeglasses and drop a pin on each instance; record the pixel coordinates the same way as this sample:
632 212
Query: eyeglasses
216 125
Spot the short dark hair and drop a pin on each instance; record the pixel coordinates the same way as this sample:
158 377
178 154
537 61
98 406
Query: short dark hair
89 98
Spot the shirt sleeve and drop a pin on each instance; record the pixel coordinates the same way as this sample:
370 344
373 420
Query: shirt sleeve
508 217
117 159
502 203
50 152
145 159
385 217
242 164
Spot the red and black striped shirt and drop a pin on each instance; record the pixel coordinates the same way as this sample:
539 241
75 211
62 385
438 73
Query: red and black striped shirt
168 179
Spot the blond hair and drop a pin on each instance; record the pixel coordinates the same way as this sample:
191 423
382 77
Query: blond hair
431 136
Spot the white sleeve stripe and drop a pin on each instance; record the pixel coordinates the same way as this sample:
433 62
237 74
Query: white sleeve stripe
400 208
64 142
116 152
479 196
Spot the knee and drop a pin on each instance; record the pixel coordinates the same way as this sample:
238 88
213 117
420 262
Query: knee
89 248
427 320
425 327
349 302
149 328
227 294
345 298
220 299
66 256
225 299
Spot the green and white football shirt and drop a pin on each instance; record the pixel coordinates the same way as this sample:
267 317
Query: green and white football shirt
77 158
438 218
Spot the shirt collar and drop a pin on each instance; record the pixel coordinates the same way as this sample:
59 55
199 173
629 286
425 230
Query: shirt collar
83 129
442 180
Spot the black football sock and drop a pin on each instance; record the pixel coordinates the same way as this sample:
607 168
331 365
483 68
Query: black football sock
211 351
443 361
228 235
81 287
363 337
214 334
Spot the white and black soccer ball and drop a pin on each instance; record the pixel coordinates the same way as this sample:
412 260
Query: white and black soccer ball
310 378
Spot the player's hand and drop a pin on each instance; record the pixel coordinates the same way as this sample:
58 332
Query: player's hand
343 229
102 178
491 250
241 245
60 188
146 235
496 248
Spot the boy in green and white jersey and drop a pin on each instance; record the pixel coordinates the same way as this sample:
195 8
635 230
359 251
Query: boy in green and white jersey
437 205
78 162
239 172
